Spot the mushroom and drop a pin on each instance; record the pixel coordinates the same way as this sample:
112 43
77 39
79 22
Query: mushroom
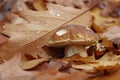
74 38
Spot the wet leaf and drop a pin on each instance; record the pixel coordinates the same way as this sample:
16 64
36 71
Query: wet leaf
27 26
11 69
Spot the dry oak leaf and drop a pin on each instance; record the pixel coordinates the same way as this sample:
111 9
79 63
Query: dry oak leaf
60 13
3 39
32 63
29 4
28 25
100 24
52 73
112 33
108 10
75 3
112 76
10 70
107 62
39 5
20 5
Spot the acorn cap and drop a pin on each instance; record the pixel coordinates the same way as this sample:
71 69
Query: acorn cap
73 34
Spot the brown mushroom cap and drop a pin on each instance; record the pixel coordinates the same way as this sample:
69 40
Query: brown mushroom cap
73 34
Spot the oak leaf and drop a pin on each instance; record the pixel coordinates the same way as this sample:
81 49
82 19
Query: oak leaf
112 76
53 73
39 5
27 26
100 23
10 70
112 34
32 63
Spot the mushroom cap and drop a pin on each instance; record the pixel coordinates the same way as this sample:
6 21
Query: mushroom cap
72 34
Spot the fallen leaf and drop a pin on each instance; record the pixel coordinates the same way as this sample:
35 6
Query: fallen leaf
76 4
3 39
100 51
32 63
53 70
106 42
19 6
112 76
6 8
11 69
39 5
112 34
35 48
109 63
60 13
27 26
15 72
29 33
77 59
100 23
108 10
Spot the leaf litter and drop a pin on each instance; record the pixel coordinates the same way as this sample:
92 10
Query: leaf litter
29 38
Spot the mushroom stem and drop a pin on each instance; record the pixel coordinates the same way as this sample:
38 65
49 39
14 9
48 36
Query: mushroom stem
75 49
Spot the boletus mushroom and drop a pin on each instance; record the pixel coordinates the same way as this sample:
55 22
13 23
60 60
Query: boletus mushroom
74 38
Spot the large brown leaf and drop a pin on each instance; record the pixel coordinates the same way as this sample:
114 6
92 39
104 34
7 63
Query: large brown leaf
74 3
37 47
100 23
10 70
27 26
112 33
52 72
